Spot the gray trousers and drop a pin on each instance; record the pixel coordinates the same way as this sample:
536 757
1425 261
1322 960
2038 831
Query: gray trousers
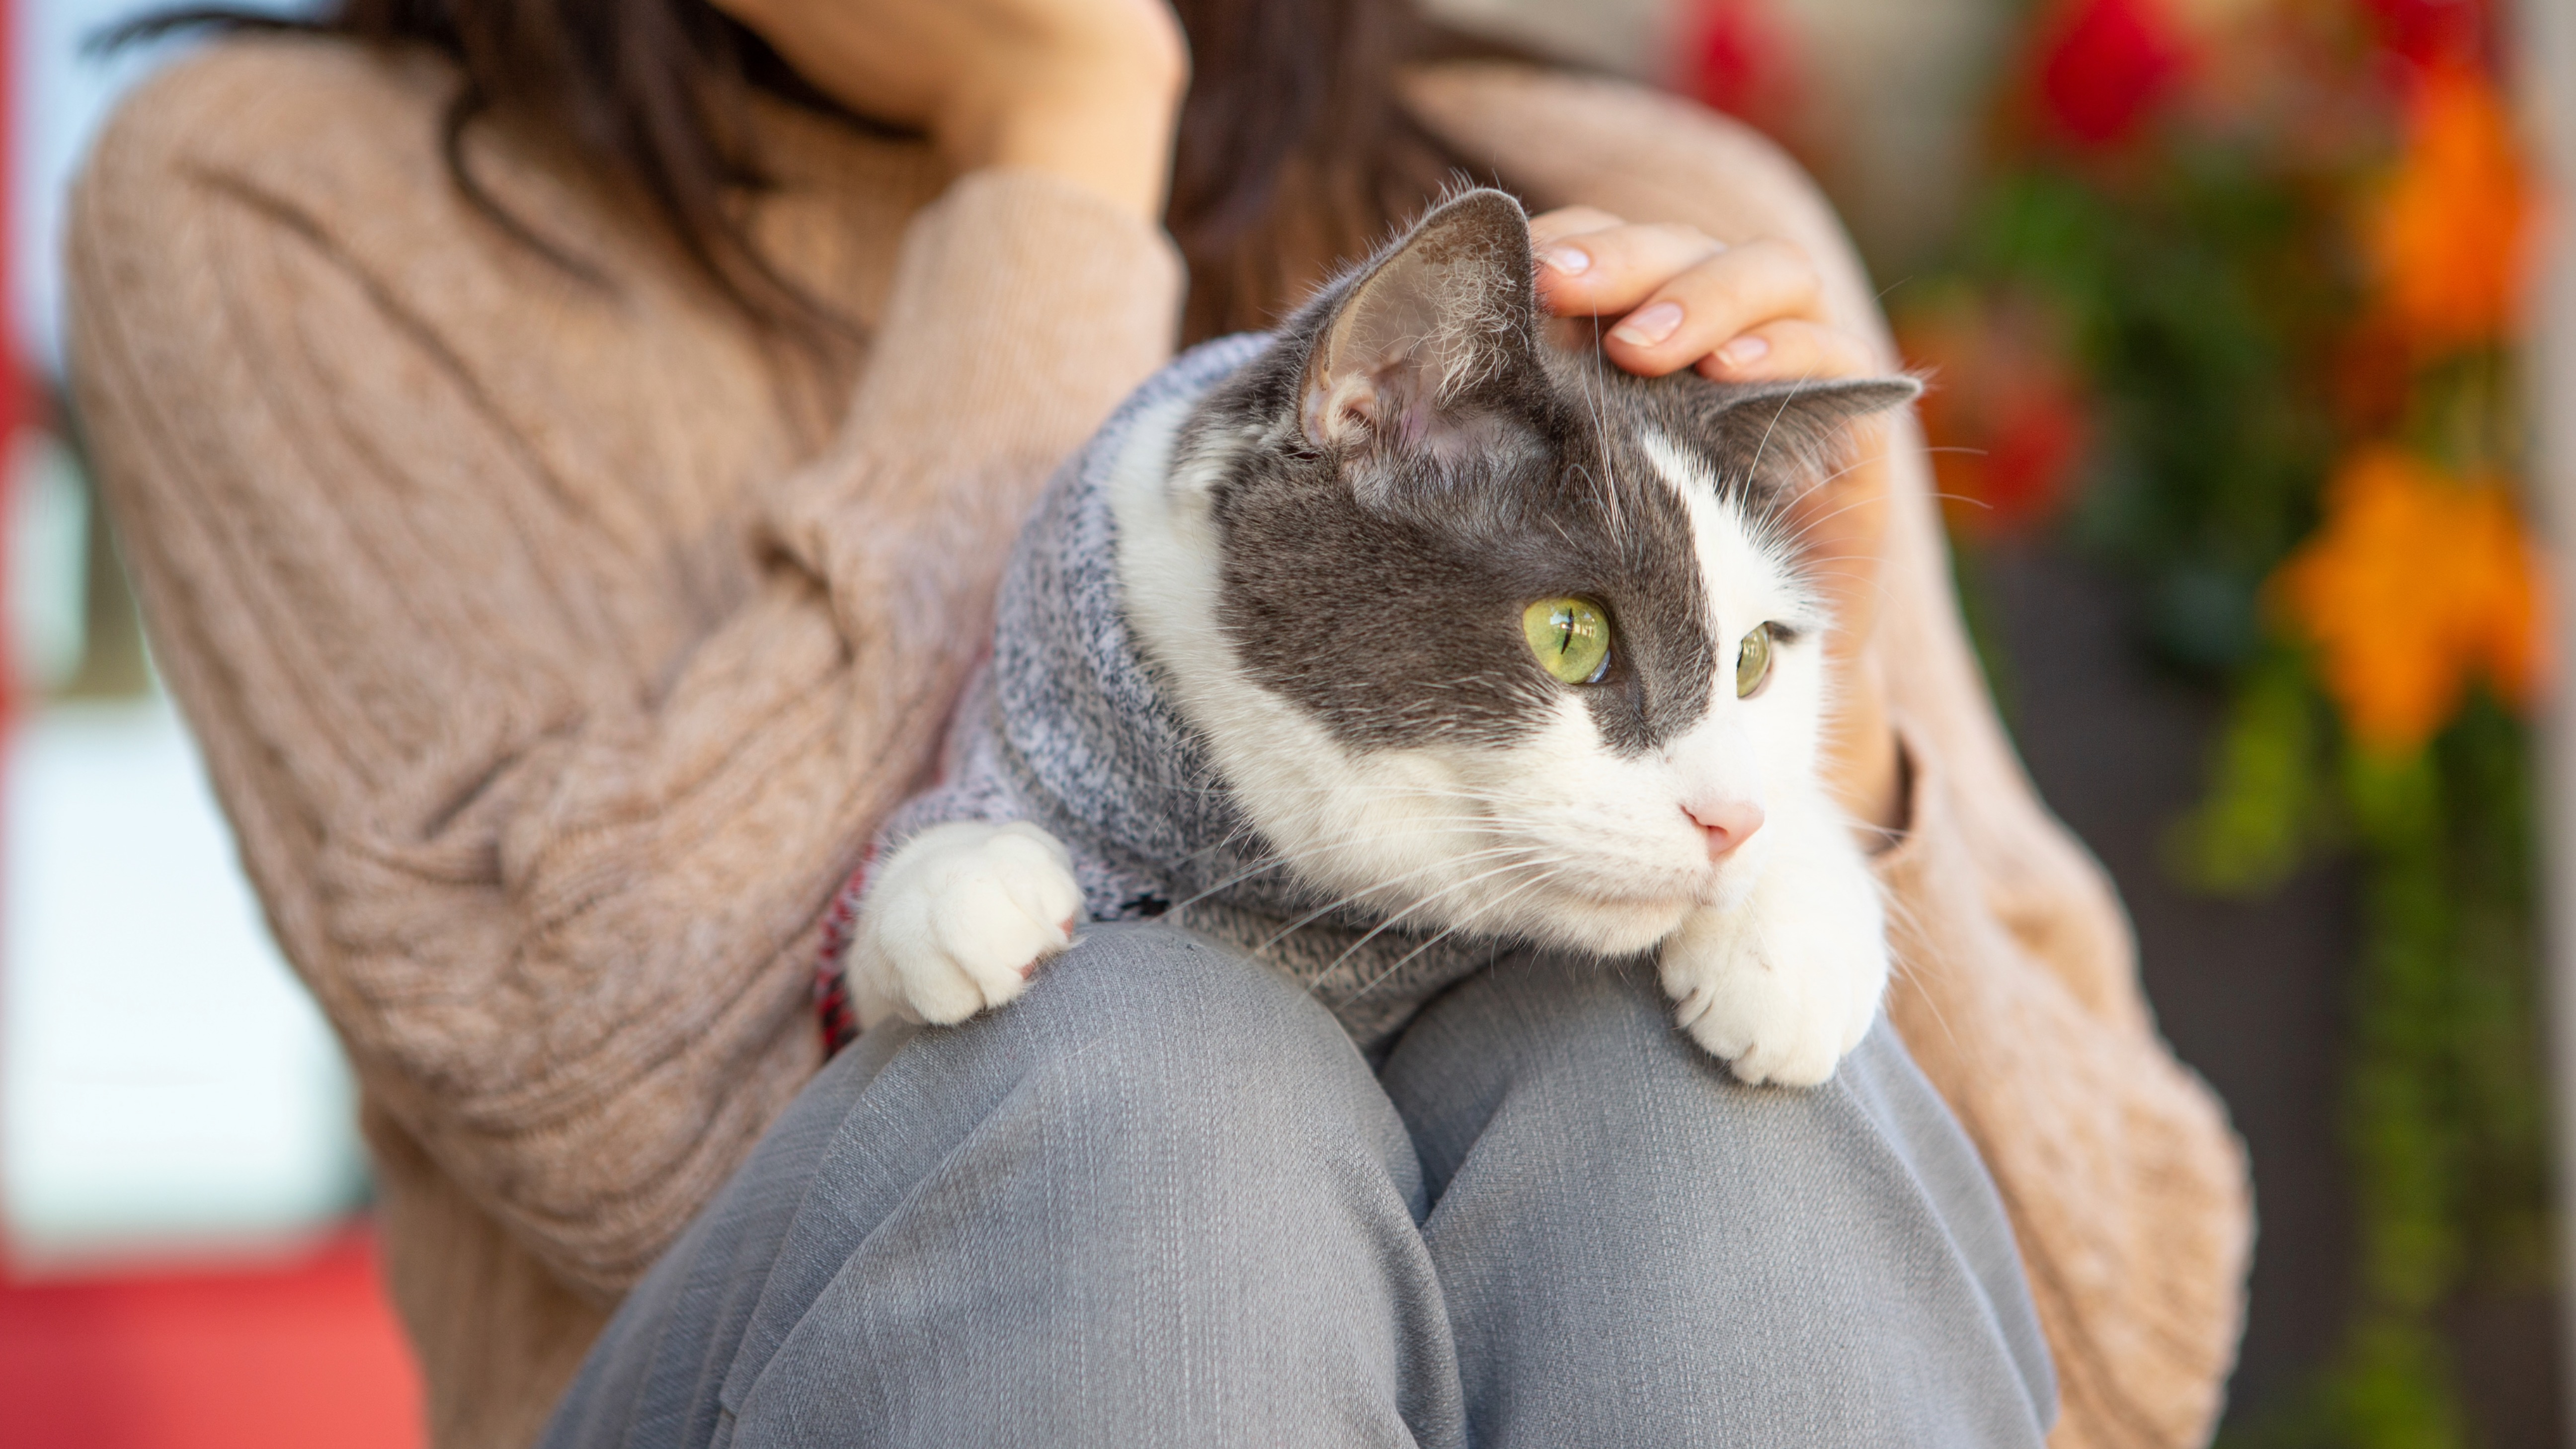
1161 1200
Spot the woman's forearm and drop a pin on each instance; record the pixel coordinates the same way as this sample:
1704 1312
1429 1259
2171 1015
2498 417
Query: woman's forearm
542 802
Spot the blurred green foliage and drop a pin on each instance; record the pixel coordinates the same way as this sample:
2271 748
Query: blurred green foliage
2209 288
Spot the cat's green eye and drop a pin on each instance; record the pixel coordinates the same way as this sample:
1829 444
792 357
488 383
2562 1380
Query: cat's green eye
1753 661
1571 638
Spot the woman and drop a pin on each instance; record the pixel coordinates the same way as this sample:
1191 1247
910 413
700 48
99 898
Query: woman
564 453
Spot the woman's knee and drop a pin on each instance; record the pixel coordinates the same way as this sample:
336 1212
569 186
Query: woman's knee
1537 1036
1842 1239
1144 1034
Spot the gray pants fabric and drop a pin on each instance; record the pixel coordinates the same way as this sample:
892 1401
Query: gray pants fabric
1162 1200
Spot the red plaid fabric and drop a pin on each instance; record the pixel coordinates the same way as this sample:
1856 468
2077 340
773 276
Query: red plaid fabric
832 1013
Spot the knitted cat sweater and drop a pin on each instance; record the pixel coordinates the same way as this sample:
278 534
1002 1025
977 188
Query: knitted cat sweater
1068 728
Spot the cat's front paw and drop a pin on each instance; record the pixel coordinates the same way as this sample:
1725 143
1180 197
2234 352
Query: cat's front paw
1783 987
958 919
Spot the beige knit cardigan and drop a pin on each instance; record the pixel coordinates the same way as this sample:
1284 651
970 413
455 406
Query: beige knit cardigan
556 645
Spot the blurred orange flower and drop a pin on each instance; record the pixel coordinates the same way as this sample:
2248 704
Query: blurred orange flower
2446 236
2415 580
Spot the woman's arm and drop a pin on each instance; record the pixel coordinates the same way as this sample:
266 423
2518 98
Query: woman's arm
542 785
2017 989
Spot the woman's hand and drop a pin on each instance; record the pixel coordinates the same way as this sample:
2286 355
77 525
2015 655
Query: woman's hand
1086 89
1673 297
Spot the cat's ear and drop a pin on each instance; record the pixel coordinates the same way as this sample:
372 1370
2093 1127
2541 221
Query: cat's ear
1448 309
1791 430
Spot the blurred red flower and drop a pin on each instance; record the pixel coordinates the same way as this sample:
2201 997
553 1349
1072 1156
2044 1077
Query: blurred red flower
2430 32
2004 411
2105 64
1741 59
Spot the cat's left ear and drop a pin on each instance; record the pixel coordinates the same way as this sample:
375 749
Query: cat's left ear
1782 431
1444 313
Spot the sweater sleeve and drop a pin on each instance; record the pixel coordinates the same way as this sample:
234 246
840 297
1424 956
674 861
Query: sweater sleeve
2017 986
2126 1191
549 846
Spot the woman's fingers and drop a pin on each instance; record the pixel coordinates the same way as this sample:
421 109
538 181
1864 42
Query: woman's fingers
1566 221
1611 270
1790 348
1703 306
1672 296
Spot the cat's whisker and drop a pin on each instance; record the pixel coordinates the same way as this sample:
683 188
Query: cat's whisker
1402 961
1308 852
1764 446
1801 528
1877 584
1594 399
1443 792
1243 834
1902 967
1355 897
1453 815
1824 481
1433 899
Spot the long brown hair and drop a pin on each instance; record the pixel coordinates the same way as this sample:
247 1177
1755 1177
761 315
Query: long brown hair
1293 153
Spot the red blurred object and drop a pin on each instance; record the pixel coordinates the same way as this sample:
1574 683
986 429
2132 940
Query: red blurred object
2432 32
2004 411
2105 67
1742 60
285 1358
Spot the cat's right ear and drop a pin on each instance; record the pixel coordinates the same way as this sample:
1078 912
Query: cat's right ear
1447 310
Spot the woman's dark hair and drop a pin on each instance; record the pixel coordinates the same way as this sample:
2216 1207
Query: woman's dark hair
1293 154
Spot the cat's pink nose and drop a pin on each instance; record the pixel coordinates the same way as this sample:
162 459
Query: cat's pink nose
1726 823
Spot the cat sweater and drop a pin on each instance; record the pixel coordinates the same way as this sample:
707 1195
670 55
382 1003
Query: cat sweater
1067 727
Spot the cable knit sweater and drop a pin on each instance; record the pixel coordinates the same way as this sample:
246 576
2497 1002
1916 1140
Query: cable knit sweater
555 648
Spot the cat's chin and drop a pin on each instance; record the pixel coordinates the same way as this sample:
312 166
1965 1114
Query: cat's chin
1597 915
1593 915
1608 928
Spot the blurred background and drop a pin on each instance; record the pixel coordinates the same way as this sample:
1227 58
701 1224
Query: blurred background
183 1259
2232 310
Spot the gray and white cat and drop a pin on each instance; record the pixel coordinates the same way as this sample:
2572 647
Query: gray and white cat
1396 645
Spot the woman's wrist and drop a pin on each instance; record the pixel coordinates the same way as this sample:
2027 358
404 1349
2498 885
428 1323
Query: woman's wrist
1113 141
1087 90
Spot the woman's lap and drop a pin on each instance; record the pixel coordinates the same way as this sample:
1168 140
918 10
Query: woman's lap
1634 1248
1162 1200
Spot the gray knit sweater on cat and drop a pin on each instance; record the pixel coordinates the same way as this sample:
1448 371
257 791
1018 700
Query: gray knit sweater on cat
1069 728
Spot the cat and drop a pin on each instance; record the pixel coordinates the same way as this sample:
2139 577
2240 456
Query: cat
1398 643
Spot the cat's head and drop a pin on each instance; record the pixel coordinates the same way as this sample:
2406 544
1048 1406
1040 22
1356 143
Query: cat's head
1482 632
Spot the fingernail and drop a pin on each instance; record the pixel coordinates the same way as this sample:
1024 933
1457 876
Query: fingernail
1650 325
1572 261
1743 352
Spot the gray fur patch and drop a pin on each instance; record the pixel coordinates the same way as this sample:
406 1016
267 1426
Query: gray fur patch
1377 561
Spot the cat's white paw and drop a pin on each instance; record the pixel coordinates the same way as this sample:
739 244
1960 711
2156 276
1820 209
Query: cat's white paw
957 920
1785 985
